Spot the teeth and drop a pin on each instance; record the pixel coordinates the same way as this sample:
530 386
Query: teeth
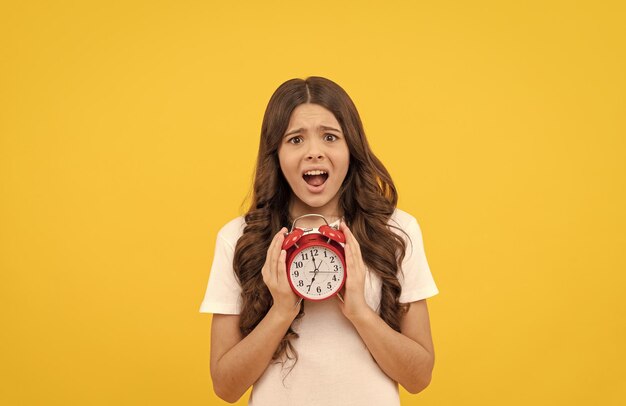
315 172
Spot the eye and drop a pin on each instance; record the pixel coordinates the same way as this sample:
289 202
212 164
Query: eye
295 140
330 137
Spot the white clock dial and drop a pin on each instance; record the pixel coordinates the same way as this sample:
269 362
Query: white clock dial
316 272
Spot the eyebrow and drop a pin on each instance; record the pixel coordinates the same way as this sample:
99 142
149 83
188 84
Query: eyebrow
322 127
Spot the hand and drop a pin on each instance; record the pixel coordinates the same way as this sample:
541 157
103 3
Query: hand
274 273
354 303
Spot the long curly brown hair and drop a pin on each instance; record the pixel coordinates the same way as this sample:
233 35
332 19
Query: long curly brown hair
368 198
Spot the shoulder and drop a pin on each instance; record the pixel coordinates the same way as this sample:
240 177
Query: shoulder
232 230
406 226
403 220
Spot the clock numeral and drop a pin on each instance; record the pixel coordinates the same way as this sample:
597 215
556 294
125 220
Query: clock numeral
334 278
298 265
329 285
332 260
325 254
305 256
300 283
296 273
314 252
319 289
336 267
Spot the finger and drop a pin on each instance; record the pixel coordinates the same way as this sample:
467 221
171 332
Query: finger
266 265
354 262
349 236
282 268
266 271
275 253
349 248
269 250
361 259
349 256
272 249
353 239
280 237
355 248
358 254
343 227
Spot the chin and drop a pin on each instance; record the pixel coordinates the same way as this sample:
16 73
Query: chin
315 204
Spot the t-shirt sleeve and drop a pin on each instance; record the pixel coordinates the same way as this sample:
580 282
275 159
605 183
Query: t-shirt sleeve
416 280
223 293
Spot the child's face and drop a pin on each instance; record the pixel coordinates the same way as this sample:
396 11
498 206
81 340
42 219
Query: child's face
314 158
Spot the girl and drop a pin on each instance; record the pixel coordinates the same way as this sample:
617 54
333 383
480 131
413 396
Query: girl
314 158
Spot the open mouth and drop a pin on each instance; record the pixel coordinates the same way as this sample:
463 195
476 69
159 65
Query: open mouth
315 178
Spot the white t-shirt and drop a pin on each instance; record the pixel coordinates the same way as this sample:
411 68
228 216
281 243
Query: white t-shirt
334 366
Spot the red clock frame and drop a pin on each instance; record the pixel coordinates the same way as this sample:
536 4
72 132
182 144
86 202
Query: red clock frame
329 238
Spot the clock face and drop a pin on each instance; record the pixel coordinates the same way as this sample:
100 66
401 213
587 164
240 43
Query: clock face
316 272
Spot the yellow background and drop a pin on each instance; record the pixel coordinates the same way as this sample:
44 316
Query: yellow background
128 136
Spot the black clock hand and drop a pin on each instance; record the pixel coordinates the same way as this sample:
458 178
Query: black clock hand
314 273
316 267
312 280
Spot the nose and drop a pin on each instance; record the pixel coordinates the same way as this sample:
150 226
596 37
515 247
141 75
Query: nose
314 152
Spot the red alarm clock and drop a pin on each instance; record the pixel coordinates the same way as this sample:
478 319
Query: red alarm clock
316 266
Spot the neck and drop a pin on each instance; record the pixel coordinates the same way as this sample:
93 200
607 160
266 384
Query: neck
331 213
